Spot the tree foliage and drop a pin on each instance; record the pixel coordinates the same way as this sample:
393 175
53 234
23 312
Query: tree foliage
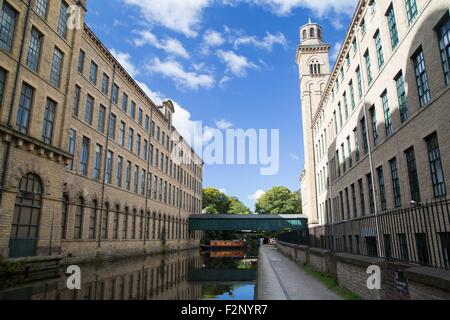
279 200
217 202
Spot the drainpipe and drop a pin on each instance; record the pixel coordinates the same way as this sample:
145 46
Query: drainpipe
11 107
105 158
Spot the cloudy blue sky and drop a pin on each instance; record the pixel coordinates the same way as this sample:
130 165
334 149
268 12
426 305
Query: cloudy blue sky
227 63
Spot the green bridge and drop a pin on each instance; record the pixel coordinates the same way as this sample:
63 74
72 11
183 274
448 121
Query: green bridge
249 222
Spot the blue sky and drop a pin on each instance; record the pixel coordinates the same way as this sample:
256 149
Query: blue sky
227 63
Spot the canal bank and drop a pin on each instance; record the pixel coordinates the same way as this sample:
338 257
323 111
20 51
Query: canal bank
279 278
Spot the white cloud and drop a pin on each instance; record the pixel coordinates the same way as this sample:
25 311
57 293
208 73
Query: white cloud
294 157
170 45
185 79
255 196
213 38
336 49
266 43
182 16
125 60
236 64
223 124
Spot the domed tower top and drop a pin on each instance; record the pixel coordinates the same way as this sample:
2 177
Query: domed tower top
311 34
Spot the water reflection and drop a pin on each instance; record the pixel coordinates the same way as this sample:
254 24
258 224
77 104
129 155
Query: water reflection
186 275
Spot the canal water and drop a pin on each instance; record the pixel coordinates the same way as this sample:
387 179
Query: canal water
185 275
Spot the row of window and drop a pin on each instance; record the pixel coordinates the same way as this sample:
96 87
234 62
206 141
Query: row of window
345 204
124 225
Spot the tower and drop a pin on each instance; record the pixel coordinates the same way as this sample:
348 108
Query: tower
314 68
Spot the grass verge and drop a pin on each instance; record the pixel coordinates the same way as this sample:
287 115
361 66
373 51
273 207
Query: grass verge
331 284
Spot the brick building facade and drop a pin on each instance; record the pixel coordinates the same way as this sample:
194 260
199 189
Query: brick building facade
377 128
89 163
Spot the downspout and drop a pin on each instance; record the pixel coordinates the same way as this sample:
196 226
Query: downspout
11 107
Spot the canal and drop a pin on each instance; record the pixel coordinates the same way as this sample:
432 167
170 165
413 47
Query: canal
185 275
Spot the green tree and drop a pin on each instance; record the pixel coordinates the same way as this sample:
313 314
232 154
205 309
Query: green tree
279 200
237 207
215 201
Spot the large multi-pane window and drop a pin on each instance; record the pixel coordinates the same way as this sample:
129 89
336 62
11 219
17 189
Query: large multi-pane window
41 8
97 162
143 174
401 96
89 111
105 84
362 201
34 50
124 102
105 222
2 84
93 221
115 94
412 174
395 183
56 70
112 127
130 139
371 193
352 95
49 121
387 115
133 109
93 73
136 179
101 119
356 138
128 175
444 46
84 156
71 147
78 223
392 22
358 76
119 172
109 165
122 133
437 173
24 111
423 86
411 10
7 26
379 49
81 59
382 188
373 119
62 21
368 67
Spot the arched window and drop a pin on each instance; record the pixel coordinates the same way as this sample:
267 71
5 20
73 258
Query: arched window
315 67
93 221
305 34
312 33
27 211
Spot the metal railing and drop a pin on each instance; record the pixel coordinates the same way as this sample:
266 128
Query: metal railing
417 234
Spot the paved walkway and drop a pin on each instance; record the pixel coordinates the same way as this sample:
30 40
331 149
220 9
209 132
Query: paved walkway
279 278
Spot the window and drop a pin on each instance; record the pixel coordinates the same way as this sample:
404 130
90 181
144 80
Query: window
445 243
444 46
368 67
362 27
358 75
421 78
57 63
101 119
81 59
356 137
361 197
62 21
403 243
122 133
379 49
93 73
145 150
143 174
115 93
78 224
437 174
392 23
128 175
71 147
387 246
422 248
140 116
125 224
116 223
88 113
373 118
93 221
138 145
150 154
7 26
147 123
340 116
124 102
84 156
119 172
49 121
112 127
41 8
371 194
395 183
382 187
76 100
401 95
352 95
387 115
105 222
411 10
97 162
34 50
2 84
355 210
344 161
109 165
345 105
105 84
130 139
349 148
136 179
412 174
133 109
24 111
